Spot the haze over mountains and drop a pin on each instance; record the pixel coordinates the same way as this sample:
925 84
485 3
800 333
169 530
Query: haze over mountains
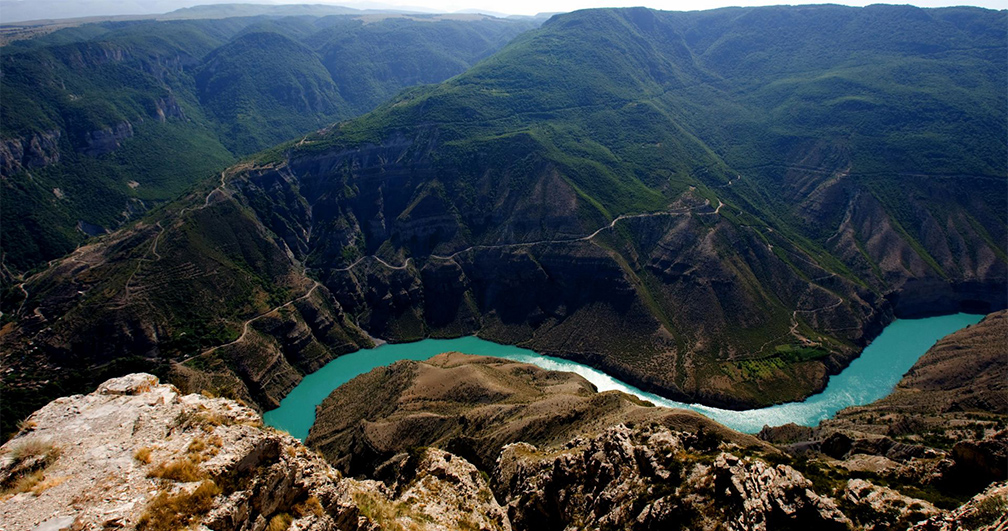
720 206
12 11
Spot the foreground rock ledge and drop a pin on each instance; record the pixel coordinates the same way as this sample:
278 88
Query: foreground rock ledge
136 454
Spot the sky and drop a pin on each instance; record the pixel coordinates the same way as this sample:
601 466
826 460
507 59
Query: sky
531 7
20 10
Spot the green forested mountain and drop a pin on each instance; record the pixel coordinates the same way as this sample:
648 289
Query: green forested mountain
101 122
263 88
721 206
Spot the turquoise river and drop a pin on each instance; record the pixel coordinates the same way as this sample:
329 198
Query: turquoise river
869 377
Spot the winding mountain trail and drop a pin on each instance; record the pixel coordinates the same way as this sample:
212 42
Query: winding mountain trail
245 326
23 301
793 332
140 262
611 225
157 239
161 231
375 258
390 266
220 188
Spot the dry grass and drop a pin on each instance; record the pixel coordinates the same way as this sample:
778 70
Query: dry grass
26 425
25 483
310 506
196 446
30 459
388 515
170 512
185 470
35 448
205 419
143 455
280 522
48 483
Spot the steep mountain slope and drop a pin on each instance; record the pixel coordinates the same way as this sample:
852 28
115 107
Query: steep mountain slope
103 121
267 88
616 187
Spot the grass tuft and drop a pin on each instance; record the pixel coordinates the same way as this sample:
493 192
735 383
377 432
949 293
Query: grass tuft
280 522
170 512
30 459
185 470
143 455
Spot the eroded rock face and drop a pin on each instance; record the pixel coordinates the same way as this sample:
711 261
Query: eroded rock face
643 478
33 151
107 140
885 508
430 485
620 479
136 454
760 496
987 511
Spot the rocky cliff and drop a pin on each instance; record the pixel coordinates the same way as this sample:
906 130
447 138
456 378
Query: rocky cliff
938 436
136 454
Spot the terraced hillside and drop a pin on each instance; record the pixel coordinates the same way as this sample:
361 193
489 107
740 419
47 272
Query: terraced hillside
703 204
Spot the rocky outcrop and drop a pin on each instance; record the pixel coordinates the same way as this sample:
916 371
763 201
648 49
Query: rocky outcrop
987 511
136 454
107 140
643 478
33 151
167 107
883 508
764 497
439 488
976 463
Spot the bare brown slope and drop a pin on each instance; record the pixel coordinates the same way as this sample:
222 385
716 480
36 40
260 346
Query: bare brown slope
940 430
473 406
965 375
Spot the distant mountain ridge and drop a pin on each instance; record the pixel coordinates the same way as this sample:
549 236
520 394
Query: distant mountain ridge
720 206
17 11
104 121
